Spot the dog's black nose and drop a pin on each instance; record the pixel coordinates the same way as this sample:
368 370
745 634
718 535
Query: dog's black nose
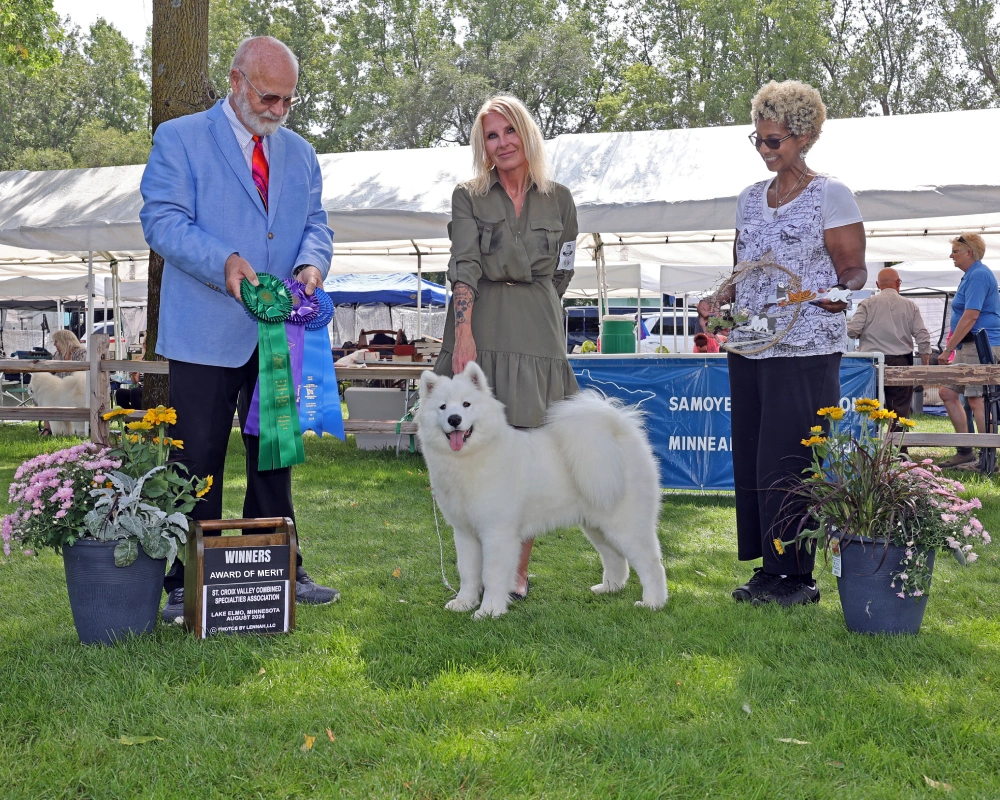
454 420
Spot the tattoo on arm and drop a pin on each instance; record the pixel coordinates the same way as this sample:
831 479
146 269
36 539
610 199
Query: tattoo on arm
463 299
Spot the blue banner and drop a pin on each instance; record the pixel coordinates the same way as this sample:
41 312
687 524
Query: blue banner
686 400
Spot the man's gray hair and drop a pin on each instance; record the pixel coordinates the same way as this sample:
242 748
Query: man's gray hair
248 49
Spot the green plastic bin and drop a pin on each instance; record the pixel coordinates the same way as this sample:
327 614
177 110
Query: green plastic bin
618 334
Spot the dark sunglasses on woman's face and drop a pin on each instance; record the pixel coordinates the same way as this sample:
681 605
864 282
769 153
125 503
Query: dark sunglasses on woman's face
772 142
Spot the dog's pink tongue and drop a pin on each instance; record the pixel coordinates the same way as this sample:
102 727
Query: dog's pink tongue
456 439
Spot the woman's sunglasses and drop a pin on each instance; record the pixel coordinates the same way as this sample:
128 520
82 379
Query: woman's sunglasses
772 143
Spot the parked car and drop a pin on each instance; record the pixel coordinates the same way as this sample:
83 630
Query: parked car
652 321
102 327
582 325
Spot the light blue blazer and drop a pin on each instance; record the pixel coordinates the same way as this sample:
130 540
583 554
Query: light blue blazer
200 206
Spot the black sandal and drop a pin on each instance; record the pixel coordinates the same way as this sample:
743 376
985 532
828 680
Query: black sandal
519 595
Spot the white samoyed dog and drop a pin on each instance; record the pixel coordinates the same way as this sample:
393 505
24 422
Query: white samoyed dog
69 392
590 464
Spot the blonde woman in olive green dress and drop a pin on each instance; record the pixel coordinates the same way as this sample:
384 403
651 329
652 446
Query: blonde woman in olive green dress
513 245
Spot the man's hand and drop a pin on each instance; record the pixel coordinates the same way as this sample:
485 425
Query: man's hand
238 268
311 277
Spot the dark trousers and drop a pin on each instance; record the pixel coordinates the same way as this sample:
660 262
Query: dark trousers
774 403
206 398
899 398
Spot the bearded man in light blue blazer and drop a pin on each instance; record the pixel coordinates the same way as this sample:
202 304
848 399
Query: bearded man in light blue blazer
227 192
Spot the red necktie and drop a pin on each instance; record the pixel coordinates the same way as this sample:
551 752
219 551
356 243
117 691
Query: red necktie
259 168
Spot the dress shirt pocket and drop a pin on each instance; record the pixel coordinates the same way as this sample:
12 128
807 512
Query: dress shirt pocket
490 234
547 232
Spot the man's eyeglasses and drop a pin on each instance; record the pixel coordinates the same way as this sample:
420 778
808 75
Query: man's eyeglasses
271 99
772 142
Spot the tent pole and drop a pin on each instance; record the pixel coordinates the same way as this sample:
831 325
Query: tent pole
90 296
661 308
685 323
420 330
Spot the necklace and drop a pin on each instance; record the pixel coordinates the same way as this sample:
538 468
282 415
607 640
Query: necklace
779 200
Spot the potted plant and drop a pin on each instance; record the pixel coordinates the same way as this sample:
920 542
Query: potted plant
881 516
118 516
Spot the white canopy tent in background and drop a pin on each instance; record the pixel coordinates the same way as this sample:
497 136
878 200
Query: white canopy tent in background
669 196
642 182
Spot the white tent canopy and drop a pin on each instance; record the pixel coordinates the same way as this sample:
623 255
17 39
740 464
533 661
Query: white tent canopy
669 182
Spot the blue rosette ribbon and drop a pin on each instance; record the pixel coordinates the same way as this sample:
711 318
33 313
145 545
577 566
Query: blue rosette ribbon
271 304
319 395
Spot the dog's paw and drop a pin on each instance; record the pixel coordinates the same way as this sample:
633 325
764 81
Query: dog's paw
606 588
461 604
494 610
654 606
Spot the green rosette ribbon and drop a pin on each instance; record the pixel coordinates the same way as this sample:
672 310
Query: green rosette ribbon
270 303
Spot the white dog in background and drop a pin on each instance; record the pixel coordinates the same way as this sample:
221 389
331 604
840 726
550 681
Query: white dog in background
69 392
590 465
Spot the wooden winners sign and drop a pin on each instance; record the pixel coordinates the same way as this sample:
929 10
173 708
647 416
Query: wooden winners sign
240 584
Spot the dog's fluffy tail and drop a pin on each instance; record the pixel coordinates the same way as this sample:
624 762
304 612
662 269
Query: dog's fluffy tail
598 436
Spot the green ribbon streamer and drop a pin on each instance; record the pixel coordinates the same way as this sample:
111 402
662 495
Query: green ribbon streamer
280 434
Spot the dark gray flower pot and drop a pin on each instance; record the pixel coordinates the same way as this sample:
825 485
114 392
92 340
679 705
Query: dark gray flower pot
870 603
110 602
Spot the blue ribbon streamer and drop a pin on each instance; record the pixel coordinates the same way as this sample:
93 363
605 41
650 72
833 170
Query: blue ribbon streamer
319 395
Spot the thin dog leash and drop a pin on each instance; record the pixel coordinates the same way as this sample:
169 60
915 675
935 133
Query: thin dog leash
437 527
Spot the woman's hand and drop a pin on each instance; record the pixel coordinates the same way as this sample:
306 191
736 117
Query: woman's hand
465 349
833 308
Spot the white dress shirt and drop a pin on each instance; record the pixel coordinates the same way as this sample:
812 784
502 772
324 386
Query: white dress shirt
243 136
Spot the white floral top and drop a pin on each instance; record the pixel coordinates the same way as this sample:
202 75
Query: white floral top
797 241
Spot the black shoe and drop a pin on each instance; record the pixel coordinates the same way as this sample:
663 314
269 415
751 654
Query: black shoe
757 585
173 611
308 591
789 592
519 595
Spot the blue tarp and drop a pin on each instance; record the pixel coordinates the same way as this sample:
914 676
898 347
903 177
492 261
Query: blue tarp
394 288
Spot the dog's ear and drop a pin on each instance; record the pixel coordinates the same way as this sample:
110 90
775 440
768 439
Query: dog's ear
476 376
428 380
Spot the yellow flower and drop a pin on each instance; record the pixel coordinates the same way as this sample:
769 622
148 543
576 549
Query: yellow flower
139 426
133 437
817 476
866 404
208 485
155 416
117 412
816 429
178 443
882 413
833 412
779 546
813 440
906 423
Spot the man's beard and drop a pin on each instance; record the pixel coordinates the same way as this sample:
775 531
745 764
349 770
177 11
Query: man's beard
264 124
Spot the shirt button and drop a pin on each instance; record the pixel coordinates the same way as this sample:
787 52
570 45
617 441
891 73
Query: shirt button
270 235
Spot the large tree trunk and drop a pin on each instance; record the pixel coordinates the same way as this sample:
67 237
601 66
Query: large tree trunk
180 86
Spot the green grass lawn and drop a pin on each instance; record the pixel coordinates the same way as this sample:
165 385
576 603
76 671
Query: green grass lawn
568 695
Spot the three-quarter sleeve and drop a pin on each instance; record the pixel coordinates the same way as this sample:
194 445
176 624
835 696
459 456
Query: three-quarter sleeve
465 265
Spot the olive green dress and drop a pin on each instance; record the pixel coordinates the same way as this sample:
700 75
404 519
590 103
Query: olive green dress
518 268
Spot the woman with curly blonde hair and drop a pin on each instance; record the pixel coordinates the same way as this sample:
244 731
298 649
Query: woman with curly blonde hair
513 247
812 225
